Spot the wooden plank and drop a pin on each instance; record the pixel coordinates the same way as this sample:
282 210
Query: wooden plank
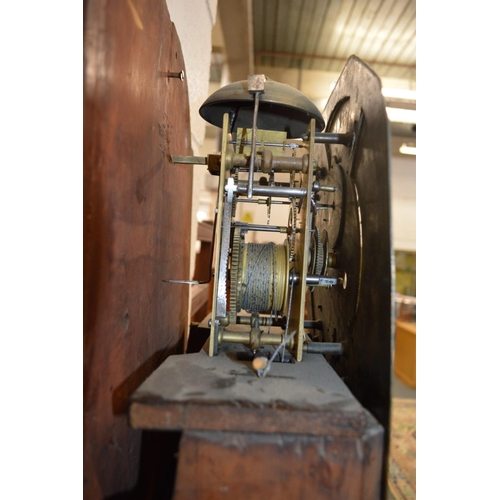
221 465
137 213
199 392
200 298
206 231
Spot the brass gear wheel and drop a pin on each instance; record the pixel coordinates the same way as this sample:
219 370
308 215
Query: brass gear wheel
235 276
317 254
320 255
325 251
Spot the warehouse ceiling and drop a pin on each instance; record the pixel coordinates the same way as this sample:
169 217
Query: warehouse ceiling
306 43
322 34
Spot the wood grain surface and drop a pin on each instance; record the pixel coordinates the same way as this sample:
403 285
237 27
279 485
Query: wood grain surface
278 466
137 213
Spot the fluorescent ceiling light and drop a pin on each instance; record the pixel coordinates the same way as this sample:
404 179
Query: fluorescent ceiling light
408 150
410 95
400 115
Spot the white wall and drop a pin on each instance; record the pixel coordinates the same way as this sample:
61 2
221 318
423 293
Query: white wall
404 202
194 20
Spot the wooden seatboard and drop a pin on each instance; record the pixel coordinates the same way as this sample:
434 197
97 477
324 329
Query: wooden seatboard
199 392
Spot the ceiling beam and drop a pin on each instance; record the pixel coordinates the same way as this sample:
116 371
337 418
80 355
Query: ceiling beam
236 23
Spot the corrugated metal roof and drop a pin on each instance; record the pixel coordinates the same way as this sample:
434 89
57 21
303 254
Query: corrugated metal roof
322 34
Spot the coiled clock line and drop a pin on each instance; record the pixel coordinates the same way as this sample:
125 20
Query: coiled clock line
260 259
274 311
